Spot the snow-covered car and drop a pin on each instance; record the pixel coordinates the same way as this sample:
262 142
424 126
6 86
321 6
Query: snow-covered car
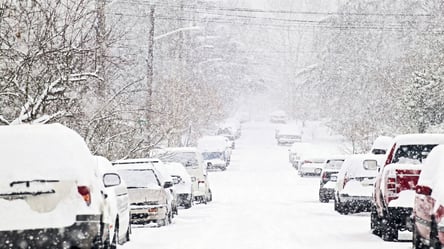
49 189
287 135
116 206
311 166
394 191
328 179
354 185
148 197
231 127
428 210
182 184
215 151
278 116
193 161
381 145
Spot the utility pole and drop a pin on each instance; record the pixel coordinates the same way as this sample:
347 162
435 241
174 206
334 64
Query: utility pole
150 61
101 47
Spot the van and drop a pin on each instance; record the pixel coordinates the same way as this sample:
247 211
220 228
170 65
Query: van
49 189
193 161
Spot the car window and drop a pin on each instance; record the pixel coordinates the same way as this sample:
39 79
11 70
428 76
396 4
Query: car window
188 159
415 153
139 178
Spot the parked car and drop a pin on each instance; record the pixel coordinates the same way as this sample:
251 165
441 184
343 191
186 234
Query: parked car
328 179
148 197
182 184
288 135
381 145
355 182
49 189
311 166
278 116
193 161
231 127
428 210
395 186
116 208
215 152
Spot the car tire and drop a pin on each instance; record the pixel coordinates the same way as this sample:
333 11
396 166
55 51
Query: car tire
389 232
375 222
128 234
416 242
210 196
162 222
322 198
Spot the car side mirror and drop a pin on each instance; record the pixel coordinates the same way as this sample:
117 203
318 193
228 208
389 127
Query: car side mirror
370 164
167 185
111 180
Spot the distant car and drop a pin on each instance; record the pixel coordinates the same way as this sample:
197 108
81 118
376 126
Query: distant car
311 166
50 196
381 145
193 161
287 136
117 209
148 197
182 184
215 151
329 177
278 117
354 185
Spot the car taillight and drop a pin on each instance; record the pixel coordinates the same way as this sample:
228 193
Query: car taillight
390 155
439 214
346 179
307 161
324 177
391 189
423 190
85 193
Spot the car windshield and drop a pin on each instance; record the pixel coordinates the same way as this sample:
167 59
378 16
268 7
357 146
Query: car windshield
412 153
139 178
188 159
334 164
212 155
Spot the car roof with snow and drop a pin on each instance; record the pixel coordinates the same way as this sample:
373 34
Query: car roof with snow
432 168
408 139
135 163
179 149
50 151
382 142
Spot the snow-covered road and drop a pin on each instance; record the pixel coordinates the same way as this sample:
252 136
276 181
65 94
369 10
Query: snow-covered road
261 202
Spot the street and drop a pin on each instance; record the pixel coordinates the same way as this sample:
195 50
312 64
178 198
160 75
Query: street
261 202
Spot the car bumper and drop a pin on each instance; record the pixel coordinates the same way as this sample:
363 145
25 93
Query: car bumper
183 199
327 193
86 232
361 202
311 171
146 214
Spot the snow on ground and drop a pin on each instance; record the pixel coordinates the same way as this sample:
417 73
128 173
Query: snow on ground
261 202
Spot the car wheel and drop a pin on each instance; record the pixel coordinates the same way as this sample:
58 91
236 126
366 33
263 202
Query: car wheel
210 196
389 232
162 222
128 233
416 242
374 222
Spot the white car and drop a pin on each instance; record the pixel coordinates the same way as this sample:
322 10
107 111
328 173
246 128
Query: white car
182 184
278 117
311 166
354 186
147 193
288 136
192 158
216 151
116 207
49 189
328 179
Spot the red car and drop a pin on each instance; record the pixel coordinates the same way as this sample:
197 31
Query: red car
394 191
428 211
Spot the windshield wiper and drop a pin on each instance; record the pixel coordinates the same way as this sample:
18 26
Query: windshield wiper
28 183
14 194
